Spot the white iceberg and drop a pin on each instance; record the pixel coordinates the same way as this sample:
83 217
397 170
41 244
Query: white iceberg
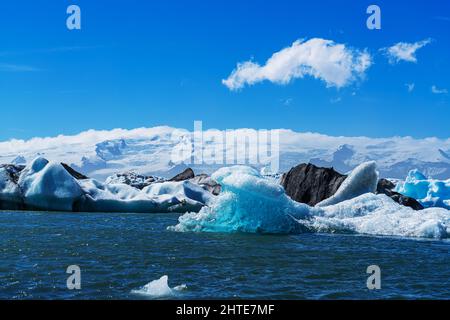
363 179
10 194
379 215
192 193
100 197
159 197
159 289
50 186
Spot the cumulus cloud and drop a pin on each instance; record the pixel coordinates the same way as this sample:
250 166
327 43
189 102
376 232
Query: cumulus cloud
335 64
436 90
404 51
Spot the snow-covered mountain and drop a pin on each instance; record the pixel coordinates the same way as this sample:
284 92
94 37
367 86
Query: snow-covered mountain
149 151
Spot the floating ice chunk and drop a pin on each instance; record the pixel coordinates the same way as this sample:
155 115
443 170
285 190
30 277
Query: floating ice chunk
102 197
363 179
45 185
48 186
10 195
380 215
182 189
248 203
429 192
133 179
159 289
191 196
158 197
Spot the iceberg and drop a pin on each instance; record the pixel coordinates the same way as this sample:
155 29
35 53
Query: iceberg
363 179
251 203
429 192
248 203
48 186
53 186
159 197
159 289
381 216
182 189
10 194
101 197
193 196
133 179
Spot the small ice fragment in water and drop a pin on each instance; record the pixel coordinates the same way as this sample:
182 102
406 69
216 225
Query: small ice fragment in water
159 288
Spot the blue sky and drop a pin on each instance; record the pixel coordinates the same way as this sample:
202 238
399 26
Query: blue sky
149 63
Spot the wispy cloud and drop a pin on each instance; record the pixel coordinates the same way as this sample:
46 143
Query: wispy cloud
410 86
287 102
404 51
335 100
60 49
335 64
10 67
7 67
437 90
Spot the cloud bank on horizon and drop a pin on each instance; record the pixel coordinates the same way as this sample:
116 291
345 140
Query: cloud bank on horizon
92 137
335 64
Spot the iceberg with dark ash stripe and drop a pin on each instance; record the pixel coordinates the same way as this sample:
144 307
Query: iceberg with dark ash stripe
252 203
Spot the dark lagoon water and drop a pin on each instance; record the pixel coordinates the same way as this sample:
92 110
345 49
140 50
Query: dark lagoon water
119 253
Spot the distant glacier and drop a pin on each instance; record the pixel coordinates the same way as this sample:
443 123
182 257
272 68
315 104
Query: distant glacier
100 154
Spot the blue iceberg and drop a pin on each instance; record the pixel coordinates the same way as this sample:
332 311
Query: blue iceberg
252 203
429 192
248 203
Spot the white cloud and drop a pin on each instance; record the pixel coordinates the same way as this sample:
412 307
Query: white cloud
404 51
333 63
436 90
410 86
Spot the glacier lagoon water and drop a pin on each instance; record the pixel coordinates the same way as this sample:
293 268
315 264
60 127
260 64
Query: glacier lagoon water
120 253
